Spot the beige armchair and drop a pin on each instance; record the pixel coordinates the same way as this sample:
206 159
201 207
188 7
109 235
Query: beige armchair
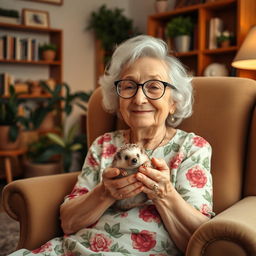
225 114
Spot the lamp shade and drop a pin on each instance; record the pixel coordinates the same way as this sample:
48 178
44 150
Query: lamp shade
246 56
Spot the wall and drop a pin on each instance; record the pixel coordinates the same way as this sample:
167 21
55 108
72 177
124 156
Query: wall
78 51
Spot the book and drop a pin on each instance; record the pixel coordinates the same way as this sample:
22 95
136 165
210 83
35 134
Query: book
215 28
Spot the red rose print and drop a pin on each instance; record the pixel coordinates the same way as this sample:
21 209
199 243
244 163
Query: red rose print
143 241
91 161
196 177
104 138
149 214
77 192
176 160
109 151
205 209
44 248
100 243
199 141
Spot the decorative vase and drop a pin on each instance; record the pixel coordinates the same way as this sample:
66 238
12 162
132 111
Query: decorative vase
48 55
182 43
161 6
5 143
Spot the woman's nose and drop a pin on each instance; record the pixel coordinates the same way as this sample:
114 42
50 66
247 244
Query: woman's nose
140 97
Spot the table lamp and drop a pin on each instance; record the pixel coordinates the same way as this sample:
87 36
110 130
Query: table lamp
246 55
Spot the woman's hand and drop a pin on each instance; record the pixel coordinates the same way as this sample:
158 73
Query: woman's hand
120 188
157 183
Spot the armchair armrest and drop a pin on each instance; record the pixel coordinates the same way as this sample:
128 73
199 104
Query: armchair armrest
232 232
35 203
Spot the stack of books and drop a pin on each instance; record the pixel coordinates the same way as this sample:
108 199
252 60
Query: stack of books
16 48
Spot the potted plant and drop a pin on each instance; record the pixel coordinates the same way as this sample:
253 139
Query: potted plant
10 120
40 160
58 143
180 29
225 39
111 27
47 51
9 16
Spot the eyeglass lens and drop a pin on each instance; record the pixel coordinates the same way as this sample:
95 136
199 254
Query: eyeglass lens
152 89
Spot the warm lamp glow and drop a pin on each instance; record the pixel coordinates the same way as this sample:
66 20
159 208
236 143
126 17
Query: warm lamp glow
246 56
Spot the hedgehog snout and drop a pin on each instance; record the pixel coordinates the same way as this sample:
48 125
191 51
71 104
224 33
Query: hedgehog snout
134 161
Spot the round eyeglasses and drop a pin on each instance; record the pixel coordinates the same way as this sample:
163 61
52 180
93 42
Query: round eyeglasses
153 89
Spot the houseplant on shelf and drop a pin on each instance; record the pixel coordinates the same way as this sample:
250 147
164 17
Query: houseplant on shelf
9 16
225 39
58 143
180 30
47 51
111 27
10 120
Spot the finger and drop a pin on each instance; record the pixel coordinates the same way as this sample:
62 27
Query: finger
130 188
147 181
110 173
125 181
159 164
132 193
151 173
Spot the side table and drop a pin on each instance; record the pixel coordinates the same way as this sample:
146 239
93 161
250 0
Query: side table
7 155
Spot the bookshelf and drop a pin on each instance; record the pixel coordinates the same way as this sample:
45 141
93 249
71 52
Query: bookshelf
237 16
54 36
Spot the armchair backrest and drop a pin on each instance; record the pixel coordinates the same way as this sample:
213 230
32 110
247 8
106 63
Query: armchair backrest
225 115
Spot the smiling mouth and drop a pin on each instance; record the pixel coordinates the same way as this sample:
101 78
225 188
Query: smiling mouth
141 111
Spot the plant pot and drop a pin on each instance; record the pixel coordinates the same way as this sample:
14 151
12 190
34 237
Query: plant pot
182 43
34 169
161 6
48 55
225 43
5 143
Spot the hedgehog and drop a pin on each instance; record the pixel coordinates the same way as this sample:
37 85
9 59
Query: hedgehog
128 159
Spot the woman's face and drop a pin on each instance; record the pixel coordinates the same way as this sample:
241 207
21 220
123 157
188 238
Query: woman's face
139 111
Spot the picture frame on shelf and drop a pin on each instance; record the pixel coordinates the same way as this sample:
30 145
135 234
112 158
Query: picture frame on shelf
55 2
35 18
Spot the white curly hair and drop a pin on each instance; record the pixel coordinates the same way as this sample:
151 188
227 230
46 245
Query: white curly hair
146 46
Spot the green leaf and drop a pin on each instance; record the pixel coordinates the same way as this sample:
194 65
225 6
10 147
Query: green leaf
56 139
207 196
76 147
182 191
13 133
134 231
71 133
175 147
107 228
206 163
72 246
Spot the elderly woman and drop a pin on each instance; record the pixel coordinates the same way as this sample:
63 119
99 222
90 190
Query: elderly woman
152 93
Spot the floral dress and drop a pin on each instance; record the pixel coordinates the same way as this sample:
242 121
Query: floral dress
138 231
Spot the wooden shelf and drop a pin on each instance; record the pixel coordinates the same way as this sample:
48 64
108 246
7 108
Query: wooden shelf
237 15
32 29
26 62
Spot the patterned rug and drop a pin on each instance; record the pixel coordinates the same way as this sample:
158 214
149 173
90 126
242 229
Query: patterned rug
9 234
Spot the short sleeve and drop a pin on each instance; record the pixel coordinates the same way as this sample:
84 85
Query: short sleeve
194 180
